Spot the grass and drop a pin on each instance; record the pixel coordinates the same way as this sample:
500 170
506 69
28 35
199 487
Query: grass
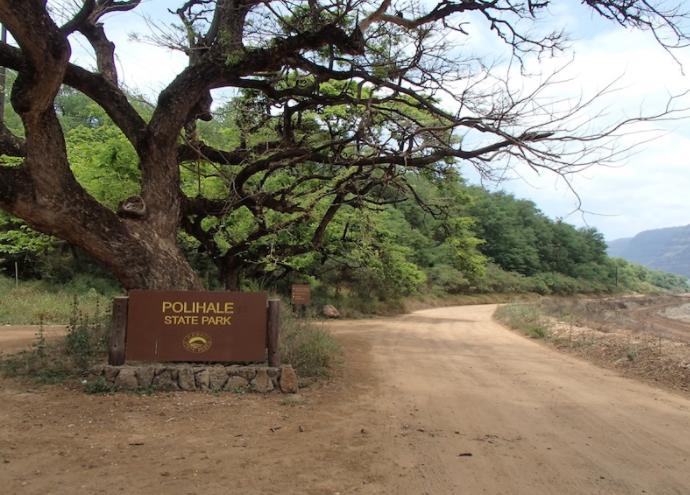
66 360
293 400
526 318
34 302
311 350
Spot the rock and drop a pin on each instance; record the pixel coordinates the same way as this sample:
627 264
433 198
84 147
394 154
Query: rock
185 379
272 372
247 372
202 379
237 384
126 379
165 381
262 383
110 373
144 376
218 376
288 380
330 311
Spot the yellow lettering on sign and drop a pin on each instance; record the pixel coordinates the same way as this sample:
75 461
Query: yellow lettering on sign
197 312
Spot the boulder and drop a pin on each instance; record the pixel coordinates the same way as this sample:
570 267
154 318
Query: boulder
164 380
126 379
237 384
185 379
110 373
202 379
247 372
217 377
288 380
330 311
145 376
262 383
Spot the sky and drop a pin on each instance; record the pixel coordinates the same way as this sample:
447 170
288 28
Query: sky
649 189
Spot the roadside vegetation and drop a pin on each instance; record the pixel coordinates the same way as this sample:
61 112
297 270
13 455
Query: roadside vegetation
624 333
447 241
63 360
310 349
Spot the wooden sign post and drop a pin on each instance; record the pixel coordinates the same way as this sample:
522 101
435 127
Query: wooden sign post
273 332
194 326
118 332
301 297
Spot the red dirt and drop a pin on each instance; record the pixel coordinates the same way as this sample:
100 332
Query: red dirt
418 394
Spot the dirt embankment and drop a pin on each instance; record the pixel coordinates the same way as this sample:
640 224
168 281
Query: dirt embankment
444 401
632 335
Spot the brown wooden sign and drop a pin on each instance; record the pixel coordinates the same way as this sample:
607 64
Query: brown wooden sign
196 326
301 294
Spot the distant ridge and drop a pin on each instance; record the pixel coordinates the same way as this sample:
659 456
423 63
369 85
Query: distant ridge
661 249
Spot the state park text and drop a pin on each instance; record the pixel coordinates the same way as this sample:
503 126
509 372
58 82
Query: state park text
197 312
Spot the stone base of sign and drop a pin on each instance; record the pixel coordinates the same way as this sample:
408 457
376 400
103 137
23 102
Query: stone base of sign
195 377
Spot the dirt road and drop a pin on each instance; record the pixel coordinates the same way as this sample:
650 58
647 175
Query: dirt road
442 401
15 338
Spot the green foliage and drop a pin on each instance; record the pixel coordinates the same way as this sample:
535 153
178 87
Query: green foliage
450 238
524 317
99 385
33 302
86 336
311 350
53 362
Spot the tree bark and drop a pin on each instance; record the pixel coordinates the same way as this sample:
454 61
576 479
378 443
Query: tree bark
230 269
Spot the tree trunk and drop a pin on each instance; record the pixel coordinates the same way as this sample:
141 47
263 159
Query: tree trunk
230 268
138 256
152 263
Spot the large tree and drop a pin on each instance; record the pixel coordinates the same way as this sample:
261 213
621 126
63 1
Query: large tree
340 101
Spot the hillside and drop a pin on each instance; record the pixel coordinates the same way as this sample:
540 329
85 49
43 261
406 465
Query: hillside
661 249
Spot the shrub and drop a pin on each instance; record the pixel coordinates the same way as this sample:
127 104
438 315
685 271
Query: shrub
52 362
524 317
35 301
311 350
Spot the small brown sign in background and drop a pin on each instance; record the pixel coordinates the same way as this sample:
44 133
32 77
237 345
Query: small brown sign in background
301 294
196 326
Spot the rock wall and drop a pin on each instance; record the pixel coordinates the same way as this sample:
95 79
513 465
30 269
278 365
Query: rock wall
196 377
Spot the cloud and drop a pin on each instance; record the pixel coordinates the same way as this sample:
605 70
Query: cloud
650 188
143 67
648 191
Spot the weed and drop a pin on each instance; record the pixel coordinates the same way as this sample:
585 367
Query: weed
40 344
524 317
33 301
293 400
53 362
146 391
99 386
311 350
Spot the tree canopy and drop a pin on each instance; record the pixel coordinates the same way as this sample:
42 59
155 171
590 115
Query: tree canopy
341 105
